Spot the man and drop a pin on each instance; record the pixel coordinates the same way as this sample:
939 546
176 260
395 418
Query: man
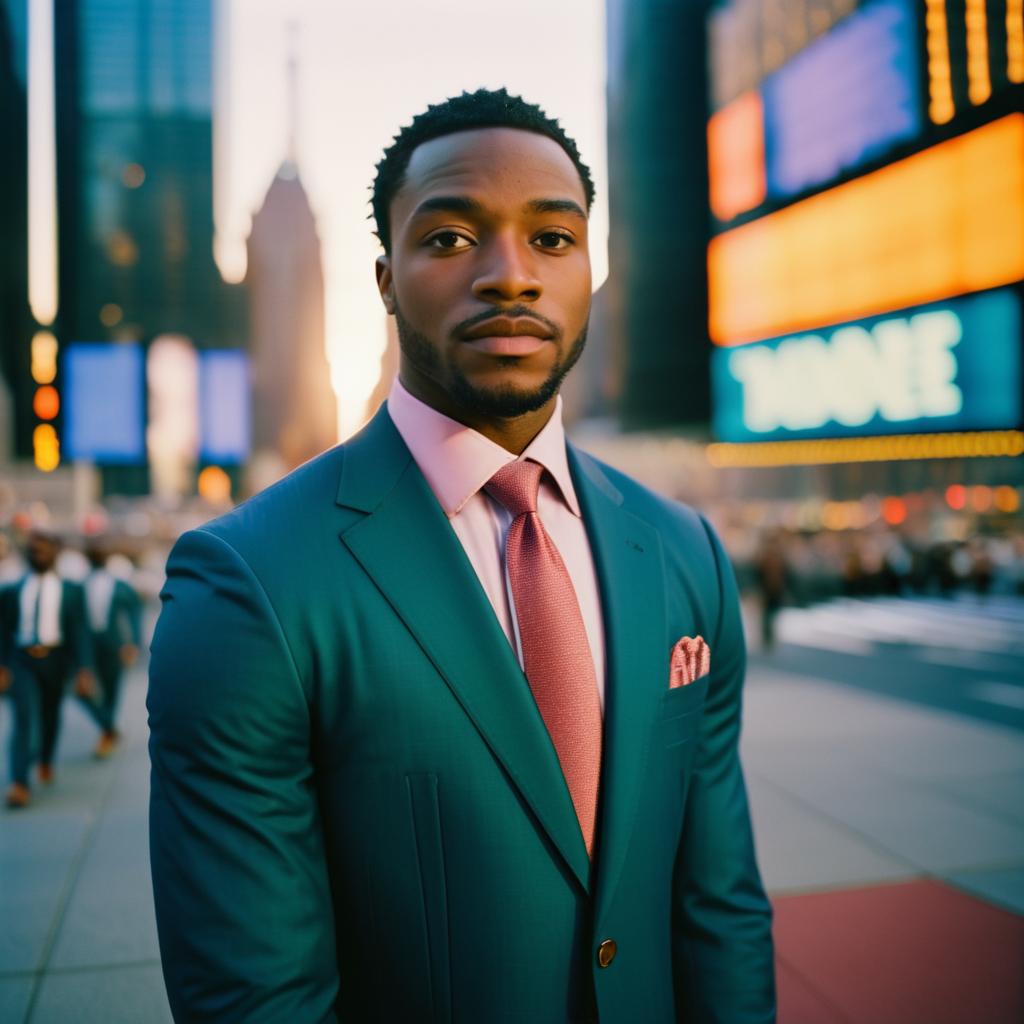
44 638
417 755
115 624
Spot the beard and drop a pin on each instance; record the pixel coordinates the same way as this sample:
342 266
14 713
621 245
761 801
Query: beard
503 402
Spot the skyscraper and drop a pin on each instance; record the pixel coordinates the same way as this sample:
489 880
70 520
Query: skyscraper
15 329
295 412
136 192
657 166
134 101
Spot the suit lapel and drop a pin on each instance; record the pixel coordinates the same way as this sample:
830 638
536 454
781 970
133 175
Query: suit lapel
628 558
411 552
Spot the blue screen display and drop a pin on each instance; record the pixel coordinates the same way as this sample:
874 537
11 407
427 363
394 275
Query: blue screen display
849 96
104 402
952 365
224 406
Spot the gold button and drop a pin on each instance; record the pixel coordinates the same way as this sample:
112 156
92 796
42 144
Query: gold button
606 952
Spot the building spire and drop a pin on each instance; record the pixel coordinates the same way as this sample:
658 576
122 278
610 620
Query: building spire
291 158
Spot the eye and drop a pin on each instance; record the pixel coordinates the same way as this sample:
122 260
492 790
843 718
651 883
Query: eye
448 240
555 240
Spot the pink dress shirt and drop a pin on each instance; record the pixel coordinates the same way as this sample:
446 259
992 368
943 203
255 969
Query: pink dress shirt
457 462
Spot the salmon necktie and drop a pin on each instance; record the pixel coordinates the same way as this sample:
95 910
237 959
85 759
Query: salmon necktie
557 659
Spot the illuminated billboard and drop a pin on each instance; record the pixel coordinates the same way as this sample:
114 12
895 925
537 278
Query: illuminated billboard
848 97
947 366
104 402
945 221
224 406
736 171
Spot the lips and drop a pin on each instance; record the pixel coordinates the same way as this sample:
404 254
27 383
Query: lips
507 327
507 336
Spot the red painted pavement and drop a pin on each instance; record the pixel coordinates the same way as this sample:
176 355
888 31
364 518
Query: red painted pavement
913 953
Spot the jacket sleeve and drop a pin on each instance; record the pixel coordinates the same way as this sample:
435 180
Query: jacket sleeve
129 614
722 943
243 903
8 592
76 622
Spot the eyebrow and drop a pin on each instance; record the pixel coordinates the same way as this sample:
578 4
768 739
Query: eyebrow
464 204
448 204
556 206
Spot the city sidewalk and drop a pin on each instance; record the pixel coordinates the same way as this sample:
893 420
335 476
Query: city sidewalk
891 837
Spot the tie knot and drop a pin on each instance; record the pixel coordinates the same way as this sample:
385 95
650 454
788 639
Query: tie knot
516 485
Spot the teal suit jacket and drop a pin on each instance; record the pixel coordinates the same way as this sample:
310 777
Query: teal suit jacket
357 813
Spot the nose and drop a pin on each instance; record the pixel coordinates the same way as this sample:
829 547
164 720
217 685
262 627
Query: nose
507 272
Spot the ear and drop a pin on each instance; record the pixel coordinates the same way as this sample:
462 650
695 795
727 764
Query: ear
386 283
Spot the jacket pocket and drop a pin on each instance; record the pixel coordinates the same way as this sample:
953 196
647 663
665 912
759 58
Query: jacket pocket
681 700
425 809
681 709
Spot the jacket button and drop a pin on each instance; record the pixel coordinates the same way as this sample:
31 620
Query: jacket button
606 952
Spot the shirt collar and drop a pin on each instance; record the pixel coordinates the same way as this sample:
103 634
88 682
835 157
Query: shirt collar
457 460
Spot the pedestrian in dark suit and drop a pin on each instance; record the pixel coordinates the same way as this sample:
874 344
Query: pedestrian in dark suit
44 640
444 725
115 623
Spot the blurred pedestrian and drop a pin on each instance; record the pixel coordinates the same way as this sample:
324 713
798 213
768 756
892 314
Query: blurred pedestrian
11 565
982 568
854 584
44 638
961 563
772 575
896 566
115 613
1016 565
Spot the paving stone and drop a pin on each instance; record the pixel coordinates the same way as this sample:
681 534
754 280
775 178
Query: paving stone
798 849
124 995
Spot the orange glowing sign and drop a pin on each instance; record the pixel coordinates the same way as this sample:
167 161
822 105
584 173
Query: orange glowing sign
944 222
46 403
736 166
1015 40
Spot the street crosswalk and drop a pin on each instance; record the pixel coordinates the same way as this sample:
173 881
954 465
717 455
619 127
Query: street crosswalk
963 631
961 653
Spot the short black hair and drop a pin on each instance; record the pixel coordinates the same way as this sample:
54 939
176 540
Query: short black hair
485 108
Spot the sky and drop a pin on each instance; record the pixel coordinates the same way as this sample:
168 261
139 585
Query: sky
363 71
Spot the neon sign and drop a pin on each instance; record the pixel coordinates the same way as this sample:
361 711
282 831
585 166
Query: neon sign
849 96
946 221
951 366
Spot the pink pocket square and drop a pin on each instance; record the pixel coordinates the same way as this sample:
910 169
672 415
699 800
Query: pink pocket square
691 659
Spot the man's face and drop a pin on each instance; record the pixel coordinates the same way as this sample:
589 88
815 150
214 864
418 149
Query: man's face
489 273
41 552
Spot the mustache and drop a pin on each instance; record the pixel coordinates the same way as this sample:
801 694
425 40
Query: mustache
512 312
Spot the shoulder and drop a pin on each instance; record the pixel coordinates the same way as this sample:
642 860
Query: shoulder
283 510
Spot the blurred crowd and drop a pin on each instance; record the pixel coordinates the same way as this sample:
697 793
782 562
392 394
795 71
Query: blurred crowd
798 568
71 622
810 567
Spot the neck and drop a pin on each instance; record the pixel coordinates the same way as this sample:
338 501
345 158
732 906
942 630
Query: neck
511 433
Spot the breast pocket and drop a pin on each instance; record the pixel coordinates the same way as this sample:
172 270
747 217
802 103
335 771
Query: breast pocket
681 709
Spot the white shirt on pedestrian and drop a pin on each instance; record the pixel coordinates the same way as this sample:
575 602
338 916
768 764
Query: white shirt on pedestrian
99 593
46 589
